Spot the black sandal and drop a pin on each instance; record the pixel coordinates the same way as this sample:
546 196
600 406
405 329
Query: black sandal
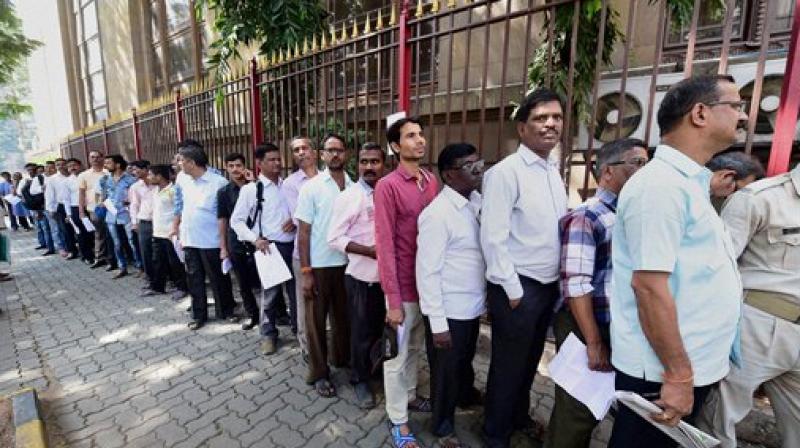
420 404
324 388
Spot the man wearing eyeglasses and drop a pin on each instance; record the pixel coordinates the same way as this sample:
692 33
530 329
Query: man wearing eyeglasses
676 296
523 199
586 283
322 268
452 287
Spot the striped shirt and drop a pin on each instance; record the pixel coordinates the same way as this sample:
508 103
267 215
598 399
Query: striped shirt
586 252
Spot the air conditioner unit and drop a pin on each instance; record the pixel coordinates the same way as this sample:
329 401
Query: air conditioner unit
636 99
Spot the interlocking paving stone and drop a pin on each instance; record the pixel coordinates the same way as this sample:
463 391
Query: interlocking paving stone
115 369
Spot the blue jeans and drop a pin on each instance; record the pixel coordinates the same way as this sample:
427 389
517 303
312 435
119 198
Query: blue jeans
56 235
43 232
116 230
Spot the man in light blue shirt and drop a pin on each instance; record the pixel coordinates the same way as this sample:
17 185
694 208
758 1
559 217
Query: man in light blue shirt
113 190
323 267
675 302
199 235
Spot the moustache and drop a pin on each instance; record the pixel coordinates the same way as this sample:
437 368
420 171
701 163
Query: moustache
370 173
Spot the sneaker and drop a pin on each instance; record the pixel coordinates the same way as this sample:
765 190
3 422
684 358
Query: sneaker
269 346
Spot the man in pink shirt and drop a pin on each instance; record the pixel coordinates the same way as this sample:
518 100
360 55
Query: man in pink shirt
352 231
141 198
399 199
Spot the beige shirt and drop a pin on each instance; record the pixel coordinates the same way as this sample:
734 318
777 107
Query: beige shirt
764 223
87 181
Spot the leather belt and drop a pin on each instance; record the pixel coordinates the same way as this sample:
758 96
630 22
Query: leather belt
774 303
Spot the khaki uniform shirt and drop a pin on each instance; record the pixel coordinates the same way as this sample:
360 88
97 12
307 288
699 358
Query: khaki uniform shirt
763 220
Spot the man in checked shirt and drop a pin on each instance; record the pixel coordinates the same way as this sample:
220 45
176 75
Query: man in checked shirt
585 277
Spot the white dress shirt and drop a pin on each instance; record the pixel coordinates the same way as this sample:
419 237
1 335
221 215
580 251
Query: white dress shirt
163 211
36 187
523 199
274 212
51 188
70 191
198 227
450 267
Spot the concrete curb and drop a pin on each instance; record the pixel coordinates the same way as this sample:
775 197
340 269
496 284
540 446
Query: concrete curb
28 424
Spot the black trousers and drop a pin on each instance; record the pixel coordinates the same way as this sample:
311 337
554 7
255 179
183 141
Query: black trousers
367 315
199 264
452 372
633 431
85 238
166 264
518 338
145 243
330 301
70 241
244 267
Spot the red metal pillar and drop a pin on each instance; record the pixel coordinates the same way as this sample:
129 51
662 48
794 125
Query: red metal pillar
85 148
256 125
403 60
786 121
180 130
105 140
137 143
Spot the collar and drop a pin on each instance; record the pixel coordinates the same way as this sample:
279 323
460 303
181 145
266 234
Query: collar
266 181
684 164
367 189
607 197
531 158
325 175
459 201
206 177
408 176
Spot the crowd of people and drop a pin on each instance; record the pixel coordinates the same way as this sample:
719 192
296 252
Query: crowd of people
697 304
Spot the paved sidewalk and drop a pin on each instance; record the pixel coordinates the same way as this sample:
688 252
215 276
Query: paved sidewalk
117 370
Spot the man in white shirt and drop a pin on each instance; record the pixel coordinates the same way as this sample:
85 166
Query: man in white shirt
452 289
83 235
352 231
165 260
33 192
51 203
523 199
264 223
63 207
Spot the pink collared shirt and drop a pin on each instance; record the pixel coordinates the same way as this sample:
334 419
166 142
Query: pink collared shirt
141 197
353 219
399 199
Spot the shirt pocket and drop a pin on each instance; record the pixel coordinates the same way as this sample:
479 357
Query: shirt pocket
784 247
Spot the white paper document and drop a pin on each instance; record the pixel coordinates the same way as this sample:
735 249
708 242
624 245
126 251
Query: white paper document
75 226
685 434
226 266
109 204
570 370
176 243
87 223
12 200
272 270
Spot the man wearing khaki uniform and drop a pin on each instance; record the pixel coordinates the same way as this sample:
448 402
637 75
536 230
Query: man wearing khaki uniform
764 222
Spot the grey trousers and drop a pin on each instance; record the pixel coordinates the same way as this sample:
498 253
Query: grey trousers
301 307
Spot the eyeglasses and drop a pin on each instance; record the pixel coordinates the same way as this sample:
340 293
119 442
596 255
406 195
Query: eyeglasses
471 167
636 161
738 106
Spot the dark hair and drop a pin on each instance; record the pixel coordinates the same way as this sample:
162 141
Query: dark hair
302 137
118 159
451 153
60 159
5 174
331 135
612 152
50 162
264 148
741 163
73 159
29 165
100 153
372 146
193 150
141 164
681 98
233 157
533 99
162 170
393 132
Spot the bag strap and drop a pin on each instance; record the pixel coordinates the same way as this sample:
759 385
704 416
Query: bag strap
259 208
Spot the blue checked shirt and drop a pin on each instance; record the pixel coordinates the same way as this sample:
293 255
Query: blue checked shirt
118 193
586 252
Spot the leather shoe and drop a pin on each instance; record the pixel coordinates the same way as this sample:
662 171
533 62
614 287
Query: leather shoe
40 247
151 293
97 264
249 325
120 274
49 252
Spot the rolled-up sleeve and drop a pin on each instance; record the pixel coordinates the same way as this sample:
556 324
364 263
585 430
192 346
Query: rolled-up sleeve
578 249
385 229
499 196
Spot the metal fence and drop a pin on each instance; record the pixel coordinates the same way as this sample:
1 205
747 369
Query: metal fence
457 65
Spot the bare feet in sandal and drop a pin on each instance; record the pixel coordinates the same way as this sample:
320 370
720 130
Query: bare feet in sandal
402 437
324 388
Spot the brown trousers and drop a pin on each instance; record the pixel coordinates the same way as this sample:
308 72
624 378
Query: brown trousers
331 298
